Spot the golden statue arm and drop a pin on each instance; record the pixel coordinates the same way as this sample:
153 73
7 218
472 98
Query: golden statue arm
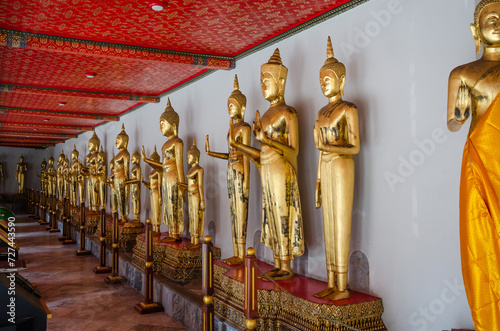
147 184
246 134
200 188
352 147
223 156
459 101
178 160
318 184
182 186
252 153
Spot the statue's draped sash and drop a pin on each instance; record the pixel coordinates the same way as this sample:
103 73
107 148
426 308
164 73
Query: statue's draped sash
480 219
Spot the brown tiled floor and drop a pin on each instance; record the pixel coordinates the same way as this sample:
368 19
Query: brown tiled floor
77 298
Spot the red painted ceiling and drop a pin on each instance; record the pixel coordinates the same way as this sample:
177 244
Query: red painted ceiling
46 47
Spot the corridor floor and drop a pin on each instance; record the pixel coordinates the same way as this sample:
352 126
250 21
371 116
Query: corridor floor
78 298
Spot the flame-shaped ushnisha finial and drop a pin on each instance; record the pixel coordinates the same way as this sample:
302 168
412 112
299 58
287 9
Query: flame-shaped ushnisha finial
331 63
237 96
275 58
155 156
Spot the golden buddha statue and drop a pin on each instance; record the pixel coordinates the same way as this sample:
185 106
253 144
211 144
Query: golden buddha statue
51 177
60 175
277 131
474 91
238 173
172 170
196 197
111 183
121 175
66 178
100 174
1 171
21 170
74 169
154 186
336 135
135 187
92 187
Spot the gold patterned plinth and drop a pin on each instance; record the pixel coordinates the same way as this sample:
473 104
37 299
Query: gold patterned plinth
91 221
126 235
299 311
171 259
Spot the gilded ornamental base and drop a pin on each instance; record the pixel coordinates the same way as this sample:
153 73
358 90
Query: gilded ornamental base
126 235
299 311
171 259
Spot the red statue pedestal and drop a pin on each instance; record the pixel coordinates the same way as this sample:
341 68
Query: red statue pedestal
299 311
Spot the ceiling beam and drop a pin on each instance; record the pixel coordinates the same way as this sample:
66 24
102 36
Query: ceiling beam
29 145
12 38
46 126
75 93
25 111
42 135
29 140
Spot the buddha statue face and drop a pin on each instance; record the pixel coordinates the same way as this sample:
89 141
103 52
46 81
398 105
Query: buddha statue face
60 159
74 155
331 84
51 161
121 142
136 158
44 165
166 127
488 25
66 162
21 159
234 109
270 87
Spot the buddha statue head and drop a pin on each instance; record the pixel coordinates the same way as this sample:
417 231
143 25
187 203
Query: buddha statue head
21 159
332 74
193 155
169 121
136 158
237 101
273 78
155 156
94 143
101 156
44 164
74 154
122 139
484 29
51 160
60 159
66 162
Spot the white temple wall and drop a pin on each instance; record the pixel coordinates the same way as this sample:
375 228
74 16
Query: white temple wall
398 56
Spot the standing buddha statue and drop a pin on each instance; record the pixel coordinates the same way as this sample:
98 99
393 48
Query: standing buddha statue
238 173
60 175
121 175
135 188
196 197
277 131
336 135
21 170
474 91
154 186
93 190
172 170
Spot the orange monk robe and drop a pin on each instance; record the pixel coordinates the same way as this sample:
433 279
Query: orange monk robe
480 219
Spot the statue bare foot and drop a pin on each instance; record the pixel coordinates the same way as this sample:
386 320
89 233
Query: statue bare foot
234 260
326 292
268 274
339 295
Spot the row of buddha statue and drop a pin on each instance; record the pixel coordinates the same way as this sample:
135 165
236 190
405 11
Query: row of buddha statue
336 136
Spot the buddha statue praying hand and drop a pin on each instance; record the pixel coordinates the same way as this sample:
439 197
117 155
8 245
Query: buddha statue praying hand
474 91
172 170
277 131
336 135
238 173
